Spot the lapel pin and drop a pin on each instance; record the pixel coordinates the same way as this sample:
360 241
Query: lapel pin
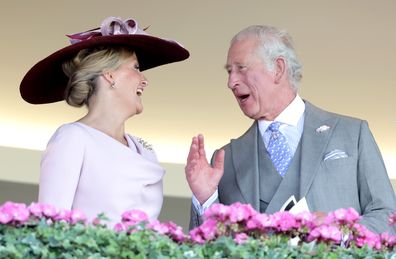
322 128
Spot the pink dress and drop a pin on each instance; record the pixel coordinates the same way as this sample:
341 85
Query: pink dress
83 168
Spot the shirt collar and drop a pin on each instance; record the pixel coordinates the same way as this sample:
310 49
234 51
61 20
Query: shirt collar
290 116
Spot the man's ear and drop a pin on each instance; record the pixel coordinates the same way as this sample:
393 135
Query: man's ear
279 69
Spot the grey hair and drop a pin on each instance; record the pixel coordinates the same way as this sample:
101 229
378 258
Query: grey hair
272 44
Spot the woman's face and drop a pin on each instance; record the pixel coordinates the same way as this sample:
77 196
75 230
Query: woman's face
129 85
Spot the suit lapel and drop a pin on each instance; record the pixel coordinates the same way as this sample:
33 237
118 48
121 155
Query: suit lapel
313 143
244 155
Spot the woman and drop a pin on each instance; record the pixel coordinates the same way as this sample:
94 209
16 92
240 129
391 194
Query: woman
92 164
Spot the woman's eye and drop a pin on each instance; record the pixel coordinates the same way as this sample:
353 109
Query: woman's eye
136 67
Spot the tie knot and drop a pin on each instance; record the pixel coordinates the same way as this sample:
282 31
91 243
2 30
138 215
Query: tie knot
274 127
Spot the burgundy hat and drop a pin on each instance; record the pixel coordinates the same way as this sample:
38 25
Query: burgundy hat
45 82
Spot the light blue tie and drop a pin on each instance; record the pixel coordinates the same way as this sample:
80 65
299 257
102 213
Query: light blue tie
278 149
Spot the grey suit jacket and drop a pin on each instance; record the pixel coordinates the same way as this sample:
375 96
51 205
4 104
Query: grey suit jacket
359 180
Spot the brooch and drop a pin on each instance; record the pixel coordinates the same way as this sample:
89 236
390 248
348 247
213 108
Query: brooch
145 144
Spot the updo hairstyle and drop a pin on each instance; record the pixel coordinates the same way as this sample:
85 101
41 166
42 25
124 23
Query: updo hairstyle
86 67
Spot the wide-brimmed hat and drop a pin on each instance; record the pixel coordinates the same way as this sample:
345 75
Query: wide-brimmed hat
45 82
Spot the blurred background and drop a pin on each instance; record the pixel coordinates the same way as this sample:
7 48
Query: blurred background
347 49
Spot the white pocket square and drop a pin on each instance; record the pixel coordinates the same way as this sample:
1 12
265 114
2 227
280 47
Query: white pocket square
335 154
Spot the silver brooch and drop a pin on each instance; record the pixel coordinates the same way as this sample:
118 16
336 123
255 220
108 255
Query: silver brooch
145 144
322 128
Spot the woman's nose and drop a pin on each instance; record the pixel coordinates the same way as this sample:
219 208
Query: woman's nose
144 81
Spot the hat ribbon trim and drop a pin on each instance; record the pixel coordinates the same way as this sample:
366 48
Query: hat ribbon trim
110 26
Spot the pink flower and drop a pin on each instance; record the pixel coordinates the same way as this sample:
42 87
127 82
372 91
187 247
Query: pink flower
131 226
48 210
35 209
96 222
306 220
158 227
178 234
343 217
268 222
77 216
175 232
253 223
218 211
362 236
196 236
325 233
18 211
119 227
170 229
261 222
21 215
241 212
134 216
39 210
240 238
258 222
209 229
392 219
388 240
285 221
63 215
5 217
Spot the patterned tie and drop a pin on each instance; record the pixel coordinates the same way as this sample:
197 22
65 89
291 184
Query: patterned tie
278 149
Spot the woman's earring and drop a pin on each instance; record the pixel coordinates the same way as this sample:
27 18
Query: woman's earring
112 85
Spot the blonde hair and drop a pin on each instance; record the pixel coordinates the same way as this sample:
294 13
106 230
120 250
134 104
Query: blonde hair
86 67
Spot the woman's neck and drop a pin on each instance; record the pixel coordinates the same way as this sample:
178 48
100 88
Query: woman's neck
106 123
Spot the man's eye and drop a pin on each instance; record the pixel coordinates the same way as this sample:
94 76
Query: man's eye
137 67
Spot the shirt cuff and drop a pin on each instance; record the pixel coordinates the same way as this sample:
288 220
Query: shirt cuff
202 208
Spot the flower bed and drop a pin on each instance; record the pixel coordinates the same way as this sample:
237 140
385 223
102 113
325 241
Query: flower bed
237 231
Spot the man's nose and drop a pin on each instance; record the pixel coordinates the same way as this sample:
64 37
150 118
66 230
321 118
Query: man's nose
233 80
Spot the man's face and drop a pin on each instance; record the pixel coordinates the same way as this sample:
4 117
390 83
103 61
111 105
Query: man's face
248 78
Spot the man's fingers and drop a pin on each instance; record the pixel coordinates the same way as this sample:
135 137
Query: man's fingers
219 160
201 146
193 149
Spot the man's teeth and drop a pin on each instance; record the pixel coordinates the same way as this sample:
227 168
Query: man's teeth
139 92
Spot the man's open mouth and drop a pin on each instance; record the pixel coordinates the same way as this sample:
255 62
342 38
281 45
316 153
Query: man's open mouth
243 97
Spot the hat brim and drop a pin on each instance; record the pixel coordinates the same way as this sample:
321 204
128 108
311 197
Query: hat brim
45 82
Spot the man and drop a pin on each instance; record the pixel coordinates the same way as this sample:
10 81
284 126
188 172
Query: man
292 148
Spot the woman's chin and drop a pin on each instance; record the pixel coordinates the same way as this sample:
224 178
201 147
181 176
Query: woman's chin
135 112
139 110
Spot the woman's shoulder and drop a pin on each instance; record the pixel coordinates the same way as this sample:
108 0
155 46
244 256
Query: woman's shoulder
72 130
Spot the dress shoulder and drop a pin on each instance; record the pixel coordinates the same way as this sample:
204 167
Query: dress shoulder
69 133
